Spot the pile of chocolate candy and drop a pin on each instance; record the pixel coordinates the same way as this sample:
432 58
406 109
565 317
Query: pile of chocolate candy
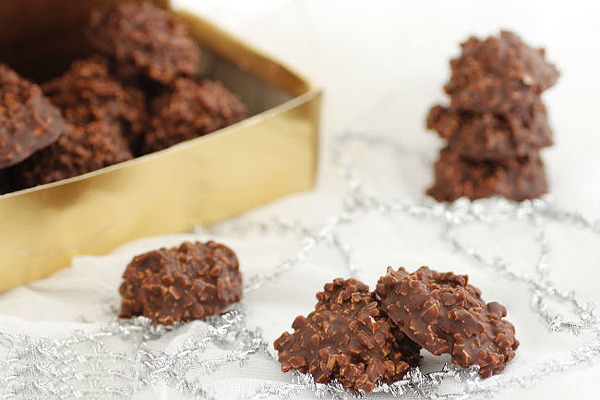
496 122
139 92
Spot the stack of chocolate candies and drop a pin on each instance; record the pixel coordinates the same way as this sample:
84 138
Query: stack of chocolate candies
496 122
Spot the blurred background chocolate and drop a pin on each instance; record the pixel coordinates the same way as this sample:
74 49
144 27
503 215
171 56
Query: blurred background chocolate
489 136
84 148
144 39
498 74
28 121
496 123
517 178
190 109
87 93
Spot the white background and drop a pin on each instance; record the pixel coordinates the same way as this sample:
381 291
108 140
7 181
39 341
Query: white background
382 65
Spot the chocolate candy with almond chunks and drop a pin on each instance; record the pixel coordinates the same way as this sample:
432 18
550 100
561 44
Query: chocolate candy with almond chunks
516 178
347 337
84 148
488 136
182 283
87 93
444 314
498 75
28 120
191 109
144 39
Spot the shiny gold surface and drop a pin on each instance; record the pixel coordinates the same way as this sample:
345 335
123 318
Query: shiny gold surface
222 174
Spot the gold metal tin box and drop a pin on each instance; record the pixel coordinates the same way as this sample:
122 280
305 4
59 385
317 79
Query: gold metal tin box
271 154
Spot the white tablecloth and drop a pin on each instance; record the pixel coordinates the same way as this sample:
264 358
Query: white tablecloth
382 66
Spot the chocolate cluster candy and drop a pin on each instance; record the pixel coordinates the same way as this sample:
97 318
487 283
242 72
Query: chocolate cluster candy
84 148
488 136
183 283
496 122
444 314
498 74
87 93
28 121
516 178
349 338
144 39
190 109
362 338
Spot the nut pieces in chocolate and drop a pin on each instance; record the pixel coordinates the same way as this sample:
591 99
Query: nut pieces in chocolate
347 337
489 136
84 148
498 74
28 121
361 338
444 314
142 38
87 93
190 109
496 123
182 283
516 178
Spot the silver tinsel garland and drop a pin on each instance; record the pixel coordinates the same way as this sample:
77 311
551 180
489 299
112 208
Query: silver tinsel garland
85 365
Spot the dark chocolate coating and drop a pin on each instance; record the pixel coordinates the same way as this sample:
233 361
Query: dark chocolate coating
444 314
143 38
349 338
488 136
28 121
182 283
498 74
82 149
190 109
514 178
87 93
